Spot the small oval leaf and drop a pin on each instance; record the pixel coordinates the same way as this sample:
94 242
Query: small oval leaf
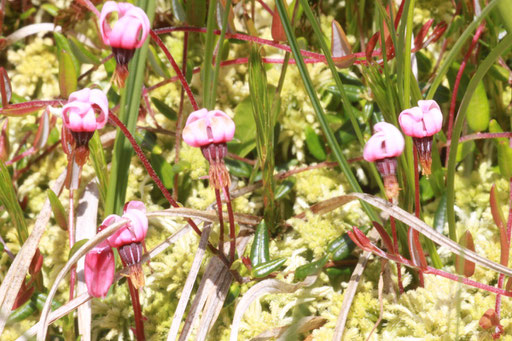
58 210
265 269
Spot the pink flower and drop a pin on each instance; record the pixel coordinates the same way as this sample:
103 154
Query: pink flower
135 231
131 29
86 110
99 269
387 142
206 127
424 120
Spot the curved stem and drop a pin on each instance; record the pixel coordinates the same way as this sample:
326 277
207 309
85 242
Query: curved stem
221 221
176 68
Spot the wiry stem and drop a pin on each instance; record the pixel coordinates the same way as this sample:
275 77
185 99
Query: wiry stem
137 311
176 68
232 231
416 236
395 250
221 221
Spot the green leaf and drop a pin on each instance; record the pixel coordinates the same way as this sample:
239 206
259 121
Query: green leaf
27 13
50 9
157 64
265 269
312 268
238 168
245 135
314 144
196 12
11 204
284 188
67 74
426 191
163 169
63 45
77 246
58 210
478 113
178 10
341 247
440 215
260 253
164 109
81 52
504 150
233 293
99 163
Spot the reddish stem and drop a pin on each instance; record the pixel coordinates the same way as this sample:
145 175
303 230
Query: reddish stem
137 312
501 278
478 32
221 221
232 231
480 136
90 6
176 68
265 7
179 120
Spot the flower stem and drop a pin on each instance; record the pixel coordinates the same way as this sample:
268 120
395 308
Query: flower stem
232 231
176 68
395 250
137 312
416 236
221 221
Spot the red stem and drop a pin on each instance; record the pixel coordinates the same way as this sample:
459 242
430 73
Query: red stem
232 231
176 68
265 7
478 32
179 120
137 312
221 221
501 278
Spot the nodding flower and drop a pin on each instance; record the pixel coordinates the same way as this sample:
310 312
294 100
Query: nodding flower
84 113
128 240
382 148
210 131
128 33
421 123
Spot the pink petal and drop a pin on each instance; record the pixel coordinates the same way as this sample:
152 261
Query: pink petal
136 231
197 115
99 269
387 142
108 7
195 134
411 122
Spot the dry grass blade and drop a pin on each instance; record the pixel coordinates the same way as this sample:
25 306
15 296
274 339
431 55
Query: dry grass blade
12 282
426 230
348 295
189 284
72 305
87 212
268 286
302 326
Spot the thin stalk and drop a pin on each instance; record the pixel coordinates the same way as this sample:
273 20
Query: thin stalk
221 221
71 235
407 56
501 278
462 67
176 68
232 231
137 311
179 120
417 208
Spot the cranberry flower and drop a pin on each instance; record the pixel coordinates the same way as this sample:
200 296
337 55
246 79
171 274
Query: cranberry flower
86 111
210 131
382 148
99 269
128 33
421 123
129 239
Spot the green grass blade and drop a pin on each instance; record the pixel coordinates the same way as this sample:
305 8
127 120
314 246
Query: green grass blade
213 94
503 46
208 102
11 204
99 163
317 106
128 114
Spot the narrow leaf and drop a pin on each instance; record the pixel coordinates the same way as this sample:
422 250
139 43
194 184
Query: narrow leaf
314 144
260 246
76 247
277 30
164 109
5 87
265 269
5 149
9 200
67 74
99 163
177 9
340 47
440 215
462 266
312 268
58 210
